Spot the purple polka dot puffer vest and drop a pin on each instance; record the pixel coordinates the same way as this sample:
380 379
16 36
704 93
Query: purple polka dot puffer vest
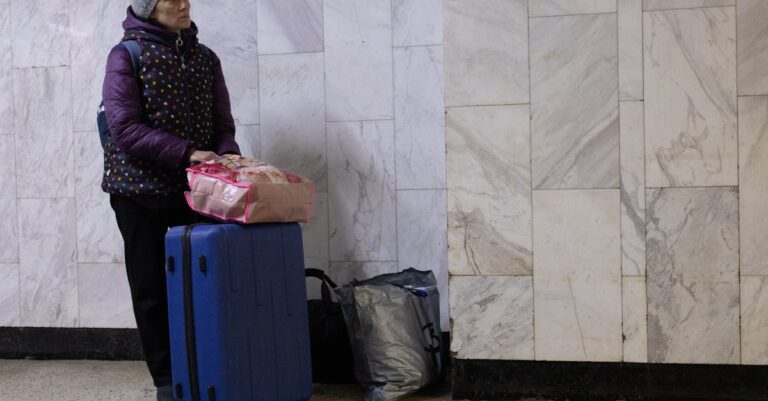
176 89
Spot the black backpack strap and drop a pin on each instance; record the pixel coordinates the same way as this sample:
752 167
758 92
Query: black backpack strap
324 288
133 49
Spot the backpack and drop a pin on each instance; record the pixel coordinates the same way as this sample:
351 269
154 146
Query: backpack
332 360
101 117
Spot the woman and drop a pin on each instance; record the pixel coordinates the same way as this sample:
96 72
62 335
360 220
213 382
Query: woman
172 111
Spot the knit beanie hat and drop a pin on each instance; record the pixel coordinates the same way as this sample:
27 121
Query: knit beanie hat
142 8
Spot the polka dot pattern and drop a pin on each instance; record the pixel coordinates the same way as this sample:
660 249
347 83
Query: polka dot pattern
177 97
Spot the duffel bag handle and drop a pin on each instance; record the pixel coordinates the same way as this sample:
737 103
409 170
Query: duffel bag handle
325 287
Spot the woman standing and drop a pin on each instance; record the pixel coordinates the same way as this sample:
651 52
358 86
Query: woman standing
172 110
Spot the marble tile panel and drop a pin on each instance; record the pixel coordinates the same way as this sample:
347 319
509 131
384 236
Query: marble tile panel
673 4
248 137
7 167
492 318
417 22
690 97
98 238
315 234
89 163
419 117
630 49
293 114
6 77
10 309
574 124
752 46
753 184
632 189
9 246
358 60
237 49
754 320
634 327
95 26
104 296
422 240
43 127
693 275
48 262
577 275
361 191
486 52
39 31
290 26
489 190
545 8
344 272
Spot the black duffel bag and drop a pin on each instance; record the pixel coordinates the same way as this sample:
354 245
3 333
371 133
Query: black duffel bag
331 350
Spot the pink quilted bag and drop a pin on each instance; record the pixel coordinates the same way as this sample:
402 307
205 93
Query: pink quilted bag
239 189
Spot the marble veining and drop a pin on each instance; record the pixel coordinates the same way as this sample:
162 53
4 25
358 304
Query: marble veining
293 114
39 32
486 52
417 22
344 272
290 26
48 262
673 4
98 238
43 127
9 246
754 320
574 102
248 137
577 275
632 189
690 97
6 77
634 327
492 317
358 60
543 8
10 311
753 46
693 275
237 48
630 16
95 26
361 191
422 240
315 234
753 184
489 190
419 117
7 167
104 297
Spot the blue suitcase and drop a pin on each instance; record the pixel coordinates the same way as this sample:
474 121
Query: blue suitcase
238 313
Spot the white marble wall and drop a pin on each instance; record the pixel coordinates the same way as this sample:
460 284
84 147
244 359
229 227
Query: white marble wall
346 92
611 153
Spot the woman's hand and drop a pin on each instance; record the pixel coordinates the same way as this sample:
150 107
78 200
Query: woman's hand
200 156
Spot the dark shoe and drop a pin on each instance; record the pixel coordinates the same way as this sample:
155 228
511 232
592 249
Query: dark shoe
165 393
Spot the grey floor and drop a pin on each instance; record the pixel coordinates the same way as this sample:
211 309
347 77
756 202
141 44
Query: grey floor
22 380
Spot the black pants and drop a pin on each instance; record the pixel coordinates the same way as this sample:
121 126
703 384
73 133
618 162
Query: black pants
143 230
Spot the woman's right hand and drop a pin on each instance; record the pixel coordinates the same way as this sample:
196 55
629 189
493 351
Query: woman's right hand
201 156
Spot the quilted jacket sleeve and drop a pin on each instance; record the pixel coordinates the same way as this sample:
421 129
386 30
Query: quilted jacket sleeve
122 105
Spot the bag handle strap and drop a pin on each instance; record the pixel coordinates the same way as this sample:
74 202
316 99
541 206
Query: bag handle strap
325 287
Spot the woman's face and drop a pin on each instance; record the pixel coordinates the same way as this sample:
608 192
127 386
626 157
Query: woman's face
172 14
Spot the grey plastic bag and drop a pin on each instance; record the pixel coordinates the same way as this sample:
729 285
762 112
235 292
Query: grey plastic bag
394 328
